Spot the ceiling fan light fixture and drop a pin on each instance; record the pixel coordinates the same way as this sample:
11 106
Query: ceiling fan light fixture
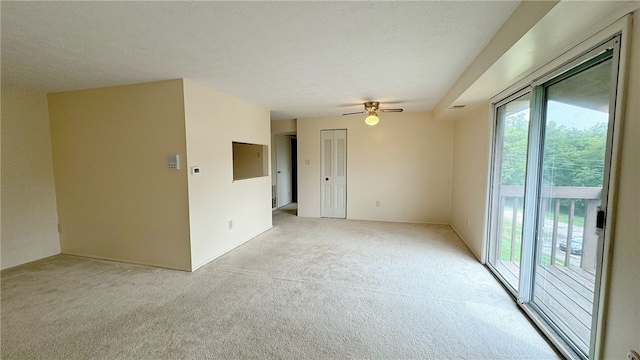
372 108
372 119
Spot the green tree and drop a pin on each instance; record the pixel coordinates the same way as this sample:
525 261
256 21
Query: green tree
514 149
574 157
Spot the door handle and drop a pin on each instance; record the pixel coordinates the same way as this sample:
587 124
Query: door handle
600 218
279 172
327 179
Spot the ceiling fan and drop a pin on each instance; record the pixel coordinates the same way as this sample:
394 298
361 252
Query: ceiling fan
372 108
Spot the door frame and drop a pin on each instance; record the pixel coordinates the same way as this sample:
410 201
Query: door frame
570 59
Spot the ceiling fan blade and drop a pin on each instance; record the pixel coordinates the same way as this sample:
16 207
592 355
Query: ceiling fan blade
354 113
390 110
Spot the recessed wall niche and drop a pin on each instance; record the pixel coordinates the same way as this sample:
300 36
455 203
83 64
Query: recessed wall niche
249 161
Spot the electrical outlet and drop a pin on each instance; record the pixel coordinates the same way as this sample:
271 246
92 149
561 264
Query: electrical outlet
230 224
633 355
377 203
60 228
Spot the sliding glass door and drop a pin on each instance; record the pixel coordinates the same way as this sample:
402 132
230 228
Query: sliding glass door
576 125
546 228
512 129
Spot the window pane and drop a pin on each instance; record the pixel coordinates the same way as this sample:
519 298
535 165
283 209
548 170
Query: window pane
512 128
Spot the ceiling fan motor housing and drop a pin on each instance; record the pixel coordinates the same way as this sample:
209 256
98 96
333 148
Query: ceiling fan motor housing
371 106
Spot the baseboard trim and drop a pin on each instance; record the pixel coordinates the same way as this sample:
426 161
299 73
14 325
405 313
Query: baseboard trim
466 243
143 263
194 268
393 221
29 261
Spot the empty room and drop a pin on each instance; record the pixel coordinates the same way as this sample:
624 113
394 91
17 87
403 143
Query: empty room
346 180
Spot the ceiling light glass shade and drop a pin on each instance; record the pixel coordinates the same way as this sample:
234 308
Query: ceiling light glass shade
371 120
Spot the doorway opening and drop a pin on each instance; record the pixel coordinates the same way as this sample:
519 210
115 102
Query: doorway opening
294 167
286 171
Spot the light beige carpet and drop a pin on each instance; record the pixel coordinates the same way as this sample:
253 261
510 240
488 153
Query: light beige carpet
308 288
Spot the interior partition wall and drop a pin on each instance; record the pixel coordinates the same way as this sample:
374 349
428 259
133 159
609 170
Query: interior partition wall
549 192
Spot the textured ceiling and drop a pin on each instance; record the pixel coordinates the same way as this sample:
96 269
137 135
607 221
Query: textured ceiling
298 59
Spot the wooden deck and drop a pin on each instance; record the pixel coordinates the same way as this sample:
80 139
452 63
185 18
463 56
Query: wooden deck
564 294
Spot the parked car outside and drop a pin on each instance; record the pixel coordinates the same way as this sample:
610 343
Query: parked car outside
576 246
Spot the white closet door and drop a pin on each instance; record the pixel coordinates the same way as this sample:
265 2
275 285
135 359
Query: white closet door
333 173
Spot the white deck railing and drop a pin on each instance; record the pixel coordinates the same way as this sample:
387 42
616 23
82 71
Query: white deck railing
511 196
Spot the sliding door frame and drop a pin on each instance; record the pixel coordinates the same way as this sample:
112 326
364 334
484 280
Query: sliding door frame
495 173
606 51
618 36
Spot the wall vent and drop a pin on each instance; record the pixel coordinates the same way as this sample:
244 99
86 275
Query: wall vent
456 107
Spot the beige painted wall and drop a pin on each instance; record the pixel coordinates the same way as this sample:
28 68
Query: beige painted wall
283 127
29 215
470 166
623 324
622 330
405 162
213 121
116 197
